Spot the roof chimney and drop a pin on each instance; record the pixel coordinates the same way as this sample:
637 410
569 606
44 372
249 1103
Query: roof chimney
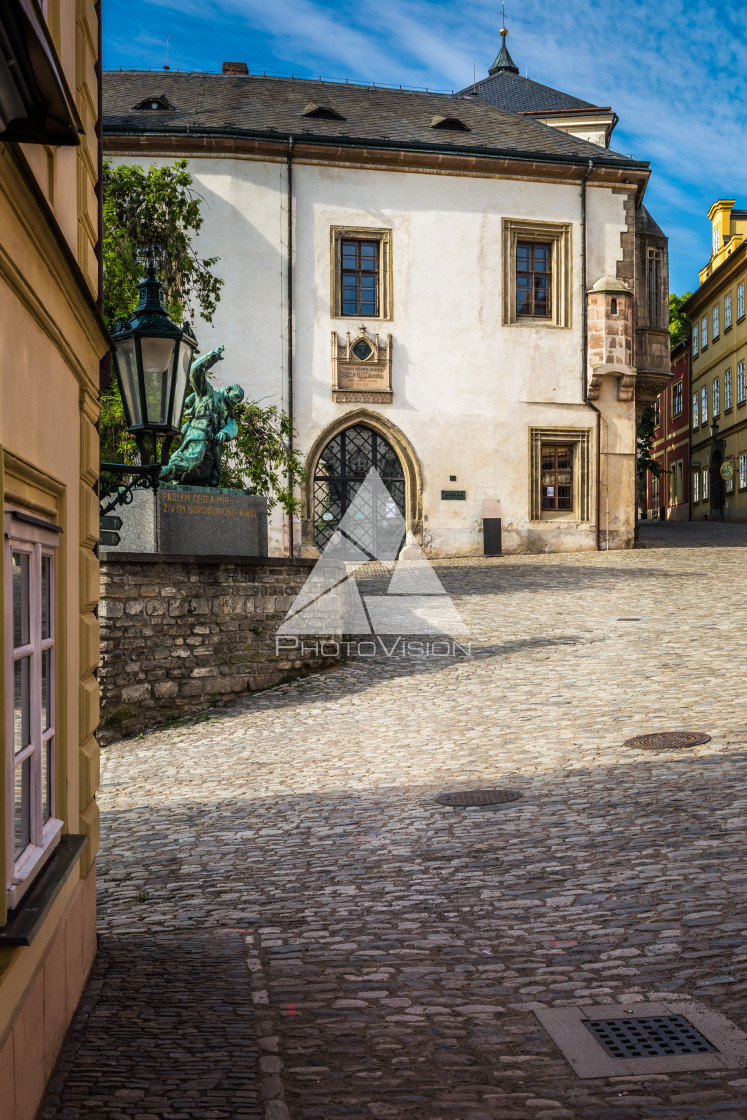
235 68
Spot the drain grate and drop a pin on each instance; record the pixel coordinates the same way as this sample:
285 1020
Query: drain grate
667 740
646 1038
467 797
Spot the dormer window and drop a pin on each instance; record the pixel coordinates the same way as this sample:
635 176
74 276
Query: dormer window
321 112
155 104
449 124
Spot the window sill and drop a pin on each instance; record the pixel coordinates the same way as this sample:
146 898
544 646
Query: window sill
26 919
727 329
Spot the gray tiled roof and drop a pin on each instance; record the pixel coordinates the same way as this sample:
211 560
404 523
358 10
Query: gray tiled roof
510 91
236 104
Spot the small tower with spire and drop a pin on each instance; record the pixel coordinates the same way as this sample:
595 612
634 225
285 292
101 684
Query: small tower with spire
504 60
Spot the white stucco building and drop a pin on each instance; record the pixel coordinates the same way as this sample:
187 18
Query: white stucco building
464 290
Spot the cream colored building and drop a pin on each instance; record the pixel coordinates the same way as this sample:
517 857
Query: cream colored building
469 281
718 480
51 341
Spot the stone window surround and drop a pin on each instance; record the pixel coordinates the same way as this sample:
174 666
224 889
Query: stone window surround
27 533
704 404
558 234
740 383
383 238
716 397
727 390
727 311
715 331
580 440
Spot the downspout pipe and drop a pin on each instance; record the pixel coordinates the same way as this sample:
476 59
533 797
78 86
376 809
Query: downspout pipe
585 348
290 324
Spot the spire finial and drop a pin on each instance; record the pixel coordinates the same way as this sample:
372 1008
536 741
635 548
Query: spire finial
504 60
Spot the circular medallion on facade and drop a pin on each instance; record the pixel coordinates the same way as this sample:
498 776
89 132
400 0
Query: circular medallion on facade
667 740
464 798
727 470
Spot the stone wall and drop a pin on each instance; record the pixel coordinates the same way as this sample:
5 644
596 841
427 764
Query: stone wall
179 633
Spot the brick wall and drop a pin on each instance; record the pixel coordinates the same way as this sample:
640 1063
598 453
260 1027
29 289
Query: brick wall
179 633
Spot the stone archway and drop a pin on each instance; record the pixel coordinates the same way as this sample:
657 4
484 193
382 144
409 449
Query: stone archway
411 476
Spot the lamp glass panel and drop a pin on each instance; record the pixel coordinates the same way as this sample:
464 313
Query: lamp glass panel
157 355
128 382
184 361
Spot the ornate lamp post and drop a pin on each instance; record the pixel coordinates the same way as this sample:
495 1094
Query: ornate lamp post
152 362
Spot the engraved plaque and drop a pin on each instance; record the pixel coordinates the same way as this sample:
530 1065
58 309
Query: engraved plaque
362 376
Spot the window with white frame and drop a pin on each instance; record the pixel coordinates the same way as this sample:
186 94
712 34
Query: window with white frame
696 335
743 471
704 332
715 322
727 390
677 399
740 382
696 420
705 484
716 240
32 828
729 485
704 405
716 397
654 491
740 300
696 486
727 311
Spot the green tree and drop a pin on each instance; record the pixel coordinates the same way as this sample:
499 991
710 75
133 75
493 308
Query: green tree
643 444
155 212
679 324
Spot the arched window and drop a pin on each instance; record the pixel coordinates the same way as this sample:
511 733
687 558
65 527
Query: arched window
340 470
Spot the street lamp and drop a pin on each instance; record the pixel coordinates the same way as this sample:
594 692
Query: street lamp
152 361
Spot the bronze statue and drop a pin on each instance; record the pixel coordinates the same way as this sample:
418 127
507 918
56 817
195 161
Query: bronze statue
209 423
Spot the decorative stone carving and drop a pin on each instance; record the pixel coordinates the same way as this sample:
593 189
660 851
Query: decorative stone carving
361 368
610 314
625 388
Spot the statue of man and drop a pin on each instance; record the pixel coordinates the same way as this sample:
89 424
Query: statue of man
209 423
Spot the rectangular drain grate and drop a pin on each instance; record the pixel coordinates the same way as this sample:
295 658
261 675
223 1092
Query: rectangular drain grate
646 1038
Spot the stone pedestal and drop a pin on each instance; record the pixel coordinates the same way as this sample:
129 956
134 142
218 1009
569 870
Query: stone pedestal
193 521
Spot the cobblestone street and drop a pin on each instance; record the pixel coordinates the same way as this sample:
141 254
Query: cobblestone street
292 926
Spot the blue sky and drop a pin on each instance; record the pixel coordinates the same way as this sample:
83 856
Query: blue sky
673 71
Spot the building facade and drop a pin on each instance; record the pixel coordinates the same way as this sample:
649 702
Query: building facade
51 342
668 495
445 286
719 351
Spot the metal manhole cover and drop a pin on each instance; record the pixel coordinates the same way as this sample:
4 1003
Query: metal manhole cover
667 740
466 797
646 1038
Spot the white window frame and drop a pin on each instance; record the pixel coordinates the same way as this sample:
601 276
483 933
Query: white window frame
743 470
696 486
696 337
704 405
715 323
677 399
705 484
730 485
716 240
740 300
25 534
727 311
704 332
716 397
740 382
696 412
727 390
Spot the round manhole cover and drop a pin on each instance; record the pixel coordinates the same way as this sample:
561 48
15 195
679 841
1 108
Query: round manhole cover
465 797
667 740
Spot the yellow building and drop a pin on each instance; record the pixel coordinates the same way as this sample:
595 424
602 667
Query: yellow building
719 351
51 342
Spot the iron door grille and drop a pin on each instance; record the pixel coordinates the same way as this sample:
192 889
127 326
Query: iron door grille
647 1038
342 467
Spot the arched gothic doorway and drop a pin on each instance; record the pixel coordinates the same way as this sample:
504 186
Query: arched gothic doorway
340 470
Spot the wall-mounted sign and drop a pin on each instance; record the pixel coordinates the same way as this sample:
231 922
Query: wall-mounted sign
453 495
727 470
361 368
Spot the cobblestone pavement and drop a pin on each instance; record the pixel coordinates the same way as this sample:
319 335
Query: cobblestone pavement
396 947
